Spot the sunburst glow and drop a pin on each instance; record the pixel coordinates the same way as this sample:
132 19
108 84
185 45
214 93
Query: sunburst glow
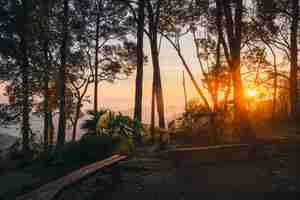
251 92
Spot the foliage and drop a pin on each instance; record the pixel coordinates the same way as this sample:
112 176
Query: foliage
106 122
196 115
52 164
7 114
88 149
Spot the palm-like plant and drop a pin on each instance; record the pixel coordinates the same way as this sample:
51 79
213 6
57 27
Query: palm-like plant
113 124
90 123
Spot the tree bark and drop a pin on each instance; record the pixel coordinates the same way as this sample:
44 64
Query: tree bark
294 61
189 72
154 17
184 92
74 131
152 123
51 129
47 66
25 79
140 65
96 82
233 28
62 78
158 87
140 62
46 101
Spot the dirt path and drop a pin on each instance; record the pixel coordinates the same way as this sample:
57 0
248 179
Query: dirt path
153 175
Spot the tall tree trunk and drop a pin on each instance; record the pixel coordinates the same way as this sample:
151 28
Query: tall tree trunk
51 129
294 61
240 112
140 65
74 132
62 78
152 123
154 17
47 66
184 92
158 87
46 104
215 84
275 84
96 82
25 79
140 62
189 72
234 35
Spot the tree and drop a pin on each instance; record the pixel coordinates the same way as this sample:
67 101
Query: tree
154 11
45 31
22 57
62 76
25 70
294 60
233 14
80 81
140 62
98 11
284 14
104 21
181 19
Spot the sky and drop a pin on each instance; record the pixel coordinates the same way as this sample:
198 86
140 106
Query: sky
119 96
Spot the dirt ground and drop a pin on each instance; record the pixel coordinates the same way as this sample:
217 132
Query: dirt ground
155 176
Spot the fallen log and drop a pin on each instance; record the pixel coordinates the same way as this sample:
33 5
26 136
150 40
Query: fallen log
50 190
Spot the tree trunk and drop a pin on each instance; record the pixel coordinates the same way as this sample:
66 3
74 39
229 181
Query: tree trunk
241 119
76 121
46 111
62 78
215 84
154 14
51 129
45 29
158 87
152 123
96 82
275 83
25 80
140 65
189 72
184 92
140 62
294 61
233 28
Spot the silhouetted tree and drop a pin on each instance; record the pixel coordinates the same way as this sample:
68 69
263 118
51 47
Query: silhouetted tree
154 9
62 75
294 94
138 103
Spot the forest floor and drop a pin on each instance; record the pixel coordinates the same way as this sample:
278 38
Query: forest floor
152 173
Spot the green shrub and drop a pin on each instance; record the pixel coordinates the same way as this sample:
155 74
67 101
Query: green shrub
89 148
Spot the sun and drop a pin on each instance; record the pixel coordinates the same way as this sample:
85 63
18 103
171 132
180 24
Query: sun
251 92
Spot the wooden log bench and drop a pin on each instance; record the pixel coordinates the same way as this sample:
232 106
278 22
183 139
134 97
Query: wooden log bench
51 190
191 156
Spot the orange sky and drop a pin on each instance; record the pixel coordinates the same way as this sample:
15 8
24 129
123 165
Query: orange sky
119 95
